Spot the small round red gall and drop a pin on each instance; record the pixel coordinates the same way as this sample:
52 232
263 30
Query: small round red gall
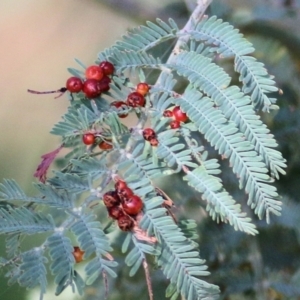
115 212
111 199
120 184
105 145
168 114
149 134
132 205
78 254
135 99
88 139
107 67
154 142
91 88
174 124
125 193
125 223
74 85
103 84
179 115
94 72
143 88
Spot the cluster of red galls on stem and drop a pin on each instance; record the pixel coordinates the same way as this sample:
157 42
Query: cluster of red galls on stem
97 80
178 116
123 205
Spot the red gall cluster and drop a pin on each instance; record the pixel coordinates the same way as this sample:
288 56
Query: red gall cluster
150 136
178 116
134 99
91 139
96 81
78 254
123 205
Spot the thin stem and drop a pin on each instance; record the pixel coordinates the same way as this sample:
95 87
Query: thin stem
190 25
148 279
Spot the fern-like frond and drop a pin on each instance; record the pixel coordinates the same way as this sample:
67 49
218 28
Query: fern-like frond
143 38
220 203
160 101
92 240
54 197
189 229
238 108
24 220
173 153
115 125
60 250
75 121
136 256
90 236
203 73
166 84
223 39
97 265
91 166
10 190
130 61
245 161
13 244
235 105
71 182
137 166
179 258
33 271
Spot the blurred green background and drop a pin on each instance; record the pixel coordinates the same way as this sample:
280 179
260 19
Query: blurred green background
40 39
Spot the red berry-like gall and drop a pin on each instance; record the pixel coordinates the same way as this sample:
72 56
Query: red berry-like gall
115 212
135 99
142 88
91 88
125 223
74 85
149 134
78 254
103 84
94 72
168 114
107 67
105 145
179 115
154 142
132 205
111 199
88 139
125 193
174 124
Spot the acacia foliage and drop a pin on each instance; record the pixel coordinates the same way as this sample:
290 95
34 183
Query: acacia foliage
223 114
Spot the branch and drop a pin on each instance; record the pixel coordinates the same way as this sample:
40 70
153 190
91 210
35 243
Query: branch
196 16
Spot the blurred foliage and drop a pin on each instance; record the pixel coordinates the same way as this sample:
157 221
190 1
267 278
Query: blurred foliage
266 266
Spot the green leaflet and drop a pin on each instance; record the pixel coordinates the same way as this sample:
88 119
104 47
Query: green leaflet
226 138
220 203
222 38
23 220
144 38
